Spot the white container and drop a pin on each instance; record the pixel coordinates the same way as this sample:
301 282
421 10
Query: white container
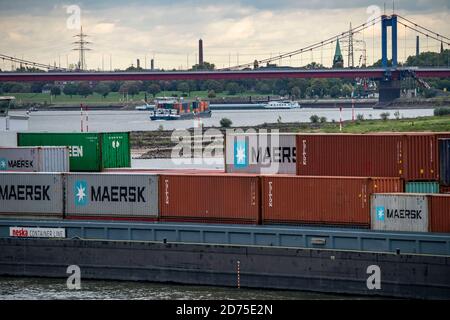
31 194
8 139
34 159
112 195
261 153
400 212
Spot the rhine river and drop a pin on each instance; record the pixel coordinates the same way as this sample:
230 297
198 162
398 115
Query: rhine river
69 121
49 289
100 121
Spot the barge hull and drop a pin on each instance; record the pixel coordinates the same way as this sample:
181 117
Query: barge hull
333 271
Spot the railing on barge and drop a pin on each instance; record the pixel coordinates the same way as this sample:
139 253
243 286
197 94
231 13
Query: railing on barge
274 236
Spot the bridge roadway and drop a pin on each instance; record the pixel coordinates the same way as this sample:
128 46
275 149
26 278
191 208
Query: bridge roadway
226 75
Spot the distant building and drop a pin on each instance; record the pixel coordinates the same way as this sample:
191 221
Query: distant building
338 60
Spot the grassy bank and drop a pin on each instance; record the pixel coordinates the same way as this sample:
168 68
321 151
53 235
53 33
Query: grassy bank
159 145
431 124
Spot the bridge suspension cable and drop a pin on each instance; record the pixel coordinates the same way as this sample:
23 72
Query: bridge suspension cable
310 47
423 28
434 36
29 63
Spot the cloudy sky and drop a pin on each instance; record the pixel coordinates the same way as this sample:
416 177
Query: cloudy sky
233 31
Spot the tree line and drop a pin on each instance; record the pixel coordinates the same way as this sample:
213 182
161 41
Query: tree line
296 88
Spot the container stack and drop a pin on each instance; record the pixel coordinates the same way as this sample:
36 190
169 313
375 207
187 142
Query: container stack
386 182
89 152
318 190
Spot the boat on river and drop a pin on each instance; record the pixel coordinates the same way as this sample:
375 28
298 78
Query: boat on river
170 108
282 105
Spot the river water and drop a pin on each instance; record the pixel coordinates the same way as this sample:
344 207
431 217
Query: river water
12 288
111 120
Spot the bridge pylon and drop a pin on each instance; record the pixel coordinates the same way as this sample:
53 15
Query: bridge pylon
389 88
388 21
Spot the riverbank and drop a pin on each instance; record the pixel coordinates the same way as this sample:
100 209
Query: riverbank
158 144
115 100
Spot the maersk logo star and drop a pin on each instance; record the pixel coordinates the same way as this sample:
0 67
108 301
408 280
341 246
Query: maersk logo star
80 191
3 164
240 154
380 213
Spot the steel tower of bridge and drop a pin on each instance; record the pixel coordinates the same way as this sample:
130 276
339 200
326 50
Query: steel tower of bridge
385 23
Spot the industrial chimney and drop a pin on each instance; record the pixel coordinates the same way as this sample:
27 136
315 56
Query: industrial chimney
417 46
200 52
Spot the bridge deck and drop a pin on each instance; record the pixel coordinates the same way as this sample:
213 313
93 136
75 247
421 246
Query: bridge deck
226 75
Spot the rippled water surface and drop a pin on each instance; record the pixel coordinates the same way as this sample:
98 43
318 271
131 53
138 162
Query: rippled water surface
44 288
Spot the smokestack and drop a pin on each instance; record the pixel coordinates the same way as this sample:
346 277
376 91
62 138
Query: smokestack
200 52
417 46
138 63
152 64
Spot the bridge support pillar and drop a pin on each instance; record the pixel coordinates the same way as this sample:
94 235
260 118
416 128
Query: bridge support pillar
385 23
389 90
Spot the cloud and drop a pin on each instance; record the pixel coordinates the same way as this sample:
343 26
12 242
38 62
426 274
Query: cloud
103 27
237 30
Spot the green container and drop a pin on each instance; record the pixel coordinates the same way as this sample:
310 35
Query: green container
116 150
422 187
88 151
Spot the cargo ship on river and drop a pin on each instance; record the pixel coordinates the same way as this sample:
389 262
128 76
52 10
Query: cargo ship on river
171 108
306 225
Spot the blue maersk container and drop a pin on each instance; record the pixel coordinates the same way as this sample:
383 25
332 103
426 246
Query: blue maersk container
444 160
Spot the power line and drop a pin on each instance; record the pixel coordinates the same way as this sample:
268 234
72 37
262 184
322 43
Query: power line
82 48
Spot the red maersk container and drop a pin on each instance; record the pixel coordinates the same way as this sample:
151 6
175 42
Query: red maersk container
322 200
210 198
411 156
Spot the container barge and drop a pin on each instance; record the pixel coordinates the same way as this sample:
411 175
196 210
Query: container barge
301 232
179 109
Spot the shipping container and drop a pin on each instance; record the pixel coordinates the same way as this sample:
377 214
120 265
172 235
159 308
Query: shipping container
411 156
88 151
422 187
111 195
421 157
8 139
116 150
411 212
439 206
444 161
444 189
226 198
34 159
349 155
31 194
260 153
400 212
321 200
